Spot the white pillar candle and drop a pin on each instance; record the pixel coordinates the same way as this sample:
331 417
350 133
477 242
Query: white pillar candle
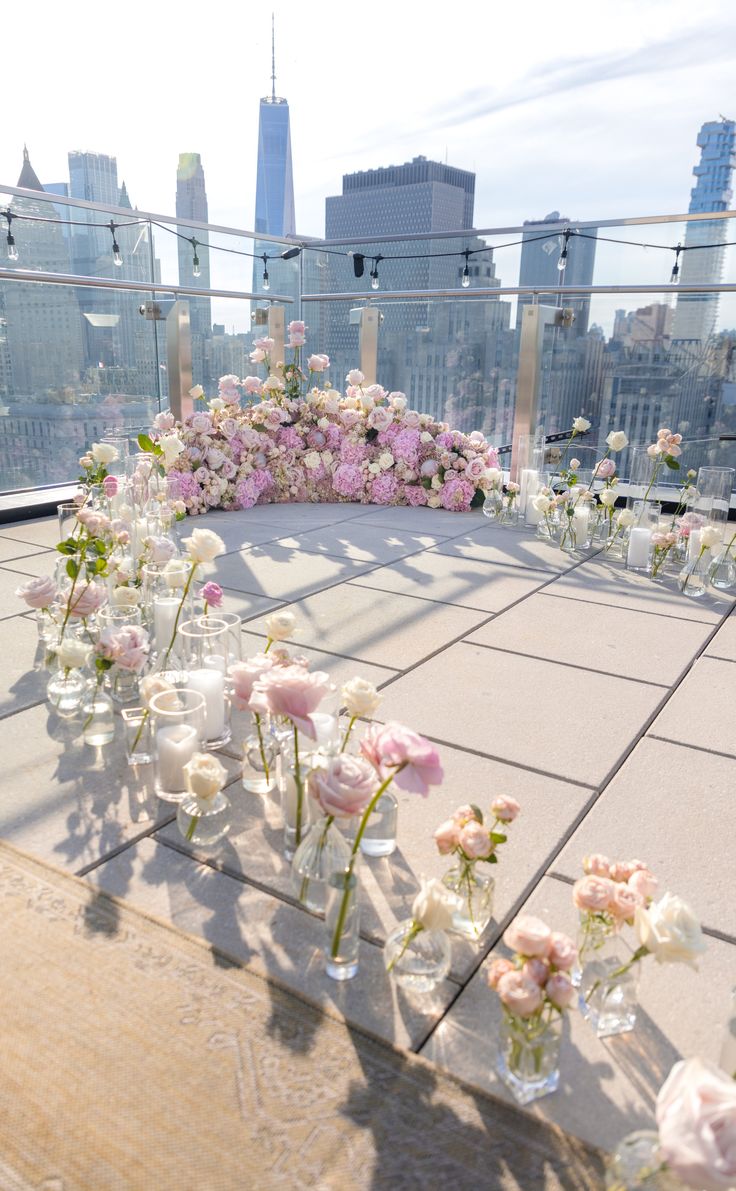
165 609
175 745
580 522
693 544
214 661
638 552
211 684
527 485
533 516
326 727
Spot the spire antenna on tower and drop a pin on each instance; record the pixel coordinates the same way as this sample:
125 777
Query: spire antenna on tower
273 60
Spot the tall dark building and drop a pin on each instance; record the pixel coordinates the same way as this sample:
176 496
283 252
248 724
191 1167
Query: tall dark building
540 254
191 203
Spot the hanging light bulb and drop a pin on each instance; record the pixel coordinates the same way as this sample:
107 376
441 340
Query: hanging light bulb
12 250
675 275
466 271
266 282
117 259
196 271
374 272
562 262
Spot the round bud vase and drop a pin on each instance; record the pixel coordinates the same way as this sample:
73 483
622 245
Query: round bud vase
493 505
322 852
475 892
636 1164
694 577
608 989
722 571
65 691
379 837
98 727
417 959
528 1055
204 821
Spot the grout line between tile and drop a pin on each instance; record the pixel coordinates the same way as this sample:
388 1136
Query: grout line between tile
698 748
4 715
570 665
625 608
333 654
717 658
88 868
411 595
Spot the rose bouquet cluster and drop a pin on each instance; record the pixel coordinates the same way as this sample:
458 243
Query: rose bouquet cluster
293 440
472 841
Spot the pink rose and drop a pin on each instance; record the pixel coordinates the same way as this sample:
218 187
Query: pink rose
88 599
127 646
562 951
464 814
644 883
164 421
110 486
475 469
620 870
296 327
521 996
596 865
318 362
349 418
696 1118
252 384
605 469
624 901
244 676
475 841
380 418
537 970
560 990
528 936
201 423
592 893
95 523
413 761
343 786
505 808
496 969
446 837
38 593
292 692
212 594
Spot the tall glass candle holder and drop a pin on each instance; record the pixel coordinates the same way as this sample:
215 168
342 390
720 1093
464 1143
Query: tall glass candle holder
205 655
714 486
178 727
529 463
67 514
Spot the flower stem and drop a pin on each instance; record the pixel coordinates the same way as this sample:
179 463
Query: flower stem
261 746
184 595
192 824
414 930
687 577
348 730
305 881
299 788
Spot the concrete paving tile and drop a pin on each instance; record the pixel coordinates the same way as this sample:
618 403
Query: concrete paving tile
491 544
280 573
245 606
11 551
269 936
701 710
508 706
340 669
600 581
21 683
356 540
723 644
424 520
238 530
612 640
253 848
490 587
39 564
41 531
10 581
607 1087
390 630
635 817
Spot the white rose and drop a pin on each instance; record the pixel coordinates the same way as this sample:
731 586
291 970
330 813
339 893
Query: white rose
541 503
323 423
399 402
154 684
493 477
73 654
123 597
312 460
355 377
196 392
436 482
280 625
385 460
205 776
204 545
434 906
626 518
710 537
696 1119
608 498
103 452
617 440
172 447
327 458
160 549
216 404
580 425
433 501
374 468
175 573
425 436
670 931
360 697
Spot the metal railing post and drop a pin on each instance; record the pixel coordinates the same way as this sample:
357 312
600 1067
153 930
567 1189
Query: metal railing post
179 360
369 323
277 332
529 375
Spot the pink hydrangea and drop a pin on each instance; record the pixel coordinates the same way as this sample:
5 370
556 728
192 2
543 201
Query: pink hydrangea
384 488
415 495
406 447
457 495
246 493
348 481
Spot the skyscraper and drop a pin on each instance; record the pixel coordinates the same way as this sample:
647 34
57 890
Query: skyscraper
274 178
696 315
540 253
191 203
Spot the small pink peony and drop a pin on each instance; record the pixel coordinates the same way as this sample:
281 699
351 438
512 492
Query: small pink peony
593 893
446 837
245 675
562 951
413 761
596 865
292 692
38 593
620 870
475 841
212 594
505 808
464 814
521 996
560 990
528 936
496 969
343 786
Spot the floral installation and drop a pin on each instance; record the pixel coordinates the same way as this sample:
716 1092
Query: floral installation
466 837
432 909
293 442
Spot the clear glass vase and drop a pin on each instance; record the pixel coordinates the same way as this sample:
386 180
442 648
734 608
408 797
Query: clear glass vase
322 852
379 837
178 730
493 505
475 892
204 821
66 691
342 926
123 685
417 959
636 1164
292 779
528 1056
98 714
593 934
137 725
259 758
694 577
608 994
722 571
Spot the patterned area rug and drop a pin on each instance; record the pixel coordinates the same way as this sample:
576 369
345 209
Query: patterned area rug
135 1057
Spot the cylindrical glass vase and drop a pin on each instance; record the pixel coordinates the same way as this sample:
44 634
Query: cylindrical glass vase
259 757
178 726
475 893
65 691
417 959
137 730
292 779
204 821
98 727
205 653
379 837
528 1056
342 926
609 988
694 577
322 852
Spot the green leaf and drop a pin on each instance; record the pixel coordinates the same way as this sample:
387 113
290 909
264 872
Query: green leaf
426 482
146 443
672 463
103 664
477 812
259 427
72 568
68 547
100 566
497 837
492 859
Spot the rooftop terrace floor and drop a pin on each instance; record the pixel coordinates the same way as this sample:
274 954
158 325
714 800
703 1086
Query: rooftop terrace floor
602 702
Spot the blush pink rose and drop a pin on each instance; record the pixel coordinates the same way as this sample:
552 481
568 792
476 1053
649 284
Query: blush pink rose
505 808
446 837
592 893
252 384
475 841
244 676
110 486
696 1118
212 594
528 936
393 749
605 469
562 951
560 990
644 883
88 600
380 418
38 593
620 870
127 647
464 814
624 901
496 969
343 786
521 996
537 970
596 865
292 692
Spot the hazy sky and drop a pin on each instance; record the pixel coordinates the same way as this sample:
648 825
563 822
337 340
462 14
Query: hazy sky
592 108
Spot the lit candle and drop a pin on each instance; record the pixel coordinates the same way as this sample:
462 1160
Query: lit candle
580 521
533 516
164 618
175 745
638 552
211 684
